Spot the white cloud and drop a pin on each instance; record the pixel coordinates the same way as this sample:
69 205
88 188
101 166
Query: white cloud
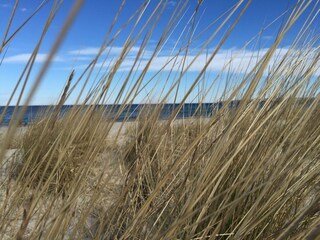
85 51
82 58
241 61
23 9
24 57
91 51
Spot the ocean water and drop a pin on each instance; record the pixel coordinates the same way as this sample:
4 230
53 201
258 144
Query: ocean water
129 113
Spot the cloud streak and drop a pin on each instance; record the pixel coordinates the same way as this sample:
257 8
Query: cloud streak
242 62
24 58
91 51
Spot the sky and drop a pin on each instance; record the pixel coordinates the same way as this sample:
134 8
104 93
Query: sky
91 25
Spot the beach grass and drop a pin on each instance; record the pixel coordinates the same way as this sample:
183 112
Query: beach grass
245 172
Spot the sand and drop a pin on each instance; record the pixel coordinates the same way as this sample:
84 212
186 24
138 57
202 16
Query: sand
116 136
13 154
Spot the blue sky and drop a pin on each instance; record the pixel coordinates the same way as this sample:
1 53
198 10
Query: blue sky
91 25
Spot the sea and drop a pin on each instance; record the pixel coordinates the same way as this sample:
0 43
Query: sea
130 112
